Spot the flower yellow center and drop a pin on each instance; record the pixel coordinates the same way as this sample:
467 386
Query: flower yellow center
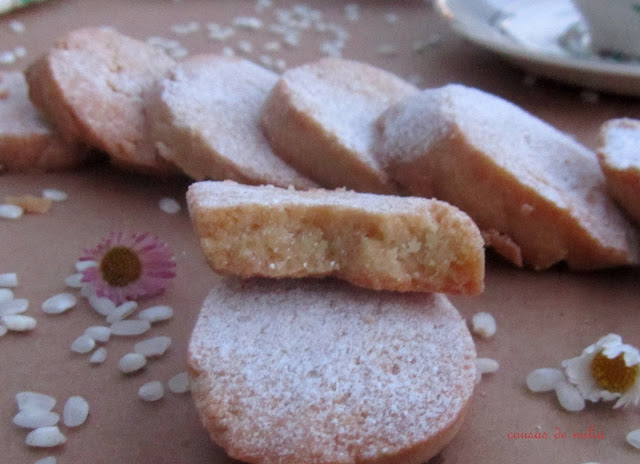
120 267
613 374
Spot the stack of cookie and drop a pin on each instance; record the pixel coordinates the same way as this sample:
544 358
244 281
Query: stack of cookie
350 202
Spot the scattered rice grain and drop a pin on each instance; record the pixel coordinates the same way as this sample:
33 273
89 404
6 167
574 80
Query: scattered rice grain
569 397
248 22
99 333
245 46
169 205
14 306
9 279
18 322
179 383
85 264
45 437
34 400
32 418
633 438
484 324
151 391
17 26
152 347
6 294
47 460
7 57
186 28
30 204
130 328
544 379
74 280
98 356
59 303
131 362
103 305
83 344
8 211
156 313
75 411
54 194
122 311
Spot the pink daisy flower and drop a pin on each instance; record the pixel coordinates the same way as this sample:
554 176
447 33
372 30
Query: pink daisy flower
129 267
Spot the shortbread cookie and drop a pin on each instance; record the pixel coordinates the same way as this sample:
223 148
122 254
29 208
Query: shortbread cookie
91 84
27 142
536 193
300 372
374 241
320 118
619 156
204 118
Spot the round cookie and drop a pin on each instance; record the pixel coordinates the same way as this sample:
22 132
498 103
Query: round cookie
320 372
619 156
27 142
91 85
204 118
320 118
538 195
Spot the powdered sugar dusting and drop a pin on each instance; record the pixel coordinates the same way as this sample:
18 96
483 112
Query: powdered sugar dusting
354 372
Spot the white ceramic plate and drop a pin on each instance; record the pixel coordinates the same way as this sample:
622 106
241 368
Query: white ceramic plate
544 37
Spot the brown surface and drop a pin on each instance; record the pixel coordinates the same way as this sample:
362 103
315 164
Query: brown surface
542 317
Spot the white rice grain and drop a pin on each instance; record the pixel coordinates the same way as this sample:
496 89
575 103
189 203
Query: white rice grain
98 356
6 294
102 305
152 347
47 460
17 26
74 280
544 379
122 312
59 303
130 327
169 205
179 383
156 313
45 437
633 438
485 366
484 324
85 264
99 333
83 344
18 322
34 400
54 194
10 211
35 418
8 279
75 411
131 362
151 391
14 306
569 397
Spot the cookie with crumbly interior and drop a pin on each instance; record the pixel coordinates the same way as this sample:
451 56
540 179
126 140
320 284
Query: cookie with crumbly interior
315 372
619 156
371 240
204 118
28 143
91 86
537 194
320 118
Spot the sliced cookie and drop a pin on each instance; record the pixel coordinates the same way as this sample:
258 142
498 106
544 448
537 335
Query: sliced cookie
204 118
301 372
619 156
537 194
375 241
28 143
91 86
320 118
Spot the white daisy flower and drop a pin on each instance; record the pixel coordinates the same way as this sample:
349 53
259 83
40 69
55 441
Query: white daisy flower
607 370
